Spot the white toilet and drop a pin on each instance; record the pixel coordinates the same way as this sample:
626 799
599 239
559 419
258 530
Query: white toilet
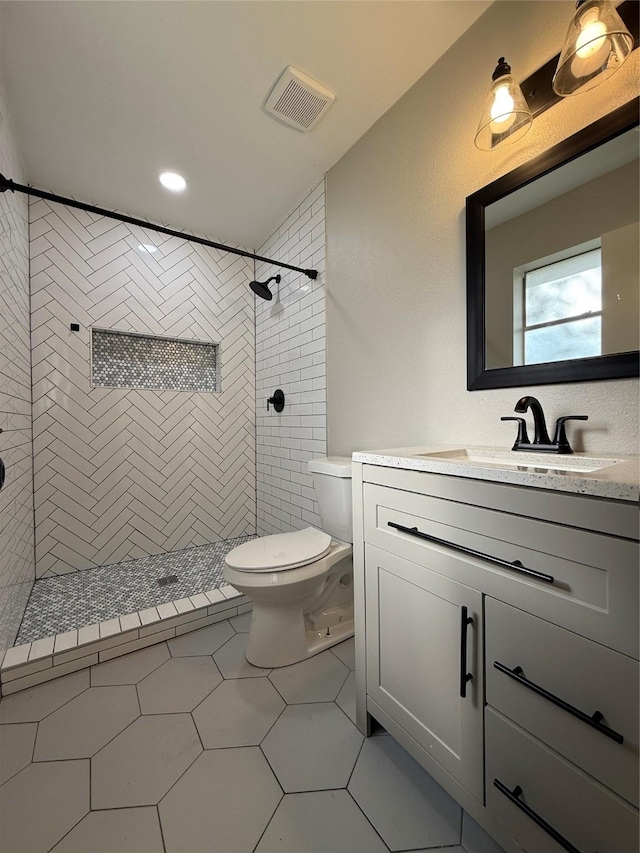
301 583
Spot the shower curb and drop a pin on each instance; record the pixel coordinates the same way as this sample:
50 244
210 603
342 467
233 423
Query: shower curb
42 660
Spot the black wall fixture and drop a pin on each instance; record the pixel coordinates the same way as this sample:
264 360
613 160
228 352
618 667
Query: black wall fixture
8 184
479 376
261 288
277 401
537 88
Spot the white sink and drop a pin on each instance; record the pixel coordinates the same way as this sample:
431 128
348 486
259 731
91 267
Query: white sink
522 460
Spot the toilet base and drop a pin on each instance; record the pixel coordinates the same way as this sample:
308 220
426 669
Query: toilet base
298 612
270 646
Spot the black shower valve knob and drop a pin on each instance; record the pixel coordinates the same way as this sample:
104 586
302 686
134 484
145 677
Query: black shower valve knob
277 401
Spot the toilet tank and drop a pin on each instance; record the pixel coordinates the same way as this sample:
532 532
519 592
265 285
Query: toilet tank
332 482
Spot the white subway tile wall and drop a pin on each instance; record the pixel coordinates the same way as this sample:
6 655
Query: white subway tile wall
120 473
16 498
290 354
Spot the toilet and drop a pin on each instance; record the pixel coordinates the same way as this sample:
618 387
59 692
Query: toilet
301 583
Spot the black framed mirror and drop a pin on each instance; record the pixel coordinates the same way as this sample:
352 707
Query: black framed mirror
552 263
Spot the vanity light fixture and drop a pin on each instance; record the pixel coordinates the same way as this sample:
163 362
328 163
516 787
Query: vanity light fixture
506 114
596 46
172 181
599 40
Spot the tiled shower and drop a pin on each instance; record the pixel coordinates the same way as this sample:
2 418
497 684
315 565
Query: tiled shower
152 453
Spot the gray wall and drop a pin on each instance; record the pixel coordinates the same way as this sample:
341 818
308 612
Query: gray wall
396 307
16 498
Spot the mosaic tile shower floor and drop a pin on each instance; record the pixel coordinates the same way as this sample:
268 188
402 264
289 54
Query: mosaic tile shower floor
83 598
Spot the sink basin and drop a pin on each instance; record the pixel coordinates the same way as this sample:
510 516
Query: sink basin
521 460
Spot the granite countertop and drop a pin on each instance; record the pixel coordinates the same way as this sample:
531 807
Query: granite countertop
618 481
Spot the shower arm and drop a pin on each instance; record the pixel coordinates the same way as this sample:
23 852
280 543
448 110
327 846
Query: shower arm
8 184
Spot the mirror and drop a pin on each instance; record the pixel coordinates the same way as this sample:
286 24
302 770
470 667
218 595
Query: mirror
553 273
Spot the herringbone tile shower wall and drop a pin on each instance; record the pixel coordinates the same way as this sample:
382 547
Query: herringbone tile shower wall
16 498
123 473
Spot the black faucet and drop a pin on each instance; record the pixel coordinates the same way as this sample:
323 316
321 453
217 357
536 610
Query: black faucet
541 441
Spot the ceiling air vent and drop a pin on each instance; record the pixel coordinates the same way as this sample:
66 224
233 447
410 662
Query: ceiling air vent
298 100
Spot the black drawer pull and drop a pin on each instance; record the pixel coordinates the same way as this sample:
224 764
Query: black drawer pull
593 721
464 675
514 796
515 566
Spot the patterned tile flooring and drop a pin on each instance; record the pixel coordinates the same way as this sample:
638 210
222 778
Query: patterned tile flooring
82 598
184 747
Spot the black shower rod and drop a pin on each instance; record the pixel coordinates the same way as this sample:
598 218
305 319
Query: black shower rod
8 184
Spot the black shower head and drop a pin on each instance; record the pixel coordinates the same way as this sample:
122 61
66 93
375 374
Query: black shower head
261 289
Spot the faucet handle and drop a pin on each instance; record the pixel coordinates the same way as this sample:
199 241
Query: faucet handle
522 437
560 437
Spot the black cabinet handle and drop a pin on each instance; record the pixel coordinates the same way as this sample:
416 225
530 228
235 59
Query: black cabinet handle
593 721
514 797
515 566
464 675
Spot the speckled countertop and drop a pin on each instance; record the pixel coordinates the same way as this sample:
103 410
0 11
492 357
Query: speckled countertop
617 477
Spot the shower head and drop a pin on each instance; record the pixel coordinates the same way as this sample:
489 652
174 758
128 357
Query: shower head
261 289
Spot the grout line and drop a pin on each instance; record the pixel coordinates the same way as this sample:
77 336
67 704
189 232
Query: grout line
164 846
83 816
257 844
365 814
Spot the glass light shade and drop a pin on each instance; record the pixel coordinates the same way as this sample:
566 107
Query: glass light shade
596 45
505 115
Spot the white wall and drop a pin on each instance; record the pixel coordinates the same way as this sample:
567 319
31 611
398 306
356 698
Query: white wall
16 498
396 305
290 354
125 473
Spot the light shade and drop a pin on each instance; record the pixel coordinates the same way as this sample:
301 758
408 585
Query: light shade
596 45
505 115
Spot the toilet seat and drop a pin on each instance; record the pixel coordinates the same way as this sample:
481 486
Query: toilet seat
280 551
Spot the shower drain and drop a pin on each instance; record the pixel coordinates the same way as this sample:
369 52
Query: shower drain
167 580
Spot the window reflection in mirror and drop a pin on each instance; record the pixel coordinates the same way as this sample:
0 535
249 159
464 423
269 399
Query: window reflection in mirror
562 269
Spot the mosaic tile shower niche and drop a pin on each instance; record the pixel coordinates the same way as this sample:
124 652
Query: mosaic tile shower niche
124 360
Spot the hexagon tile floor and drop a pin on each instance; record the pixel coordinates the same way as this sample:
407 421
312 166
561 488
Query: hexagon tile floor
184 747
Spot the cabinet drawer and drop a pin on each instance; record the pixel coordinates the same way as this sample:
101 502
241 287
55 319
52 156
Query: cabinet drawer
594 578
582 676
586 815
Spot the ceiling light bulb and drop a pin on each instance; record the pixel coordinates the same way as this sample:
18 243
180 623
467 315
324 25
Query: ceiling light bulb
592 35
172 181
502 114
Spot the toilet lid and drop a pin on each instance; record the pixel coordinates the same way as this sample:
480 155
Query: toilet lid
280 551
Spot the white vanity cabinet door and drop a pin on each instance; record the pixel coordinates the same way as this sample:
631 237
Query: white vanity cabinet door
415 657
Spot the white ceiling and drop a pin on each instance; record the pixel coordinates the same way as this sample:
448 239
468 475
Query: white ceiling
105 95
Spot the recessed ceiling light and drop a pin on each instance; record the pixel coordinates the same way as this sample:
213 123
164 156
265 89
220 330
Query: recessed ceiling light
172 181
147 247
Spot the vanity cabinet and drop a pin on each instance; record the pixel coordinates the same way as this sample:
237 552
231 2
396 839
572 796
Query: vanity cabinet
497 640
